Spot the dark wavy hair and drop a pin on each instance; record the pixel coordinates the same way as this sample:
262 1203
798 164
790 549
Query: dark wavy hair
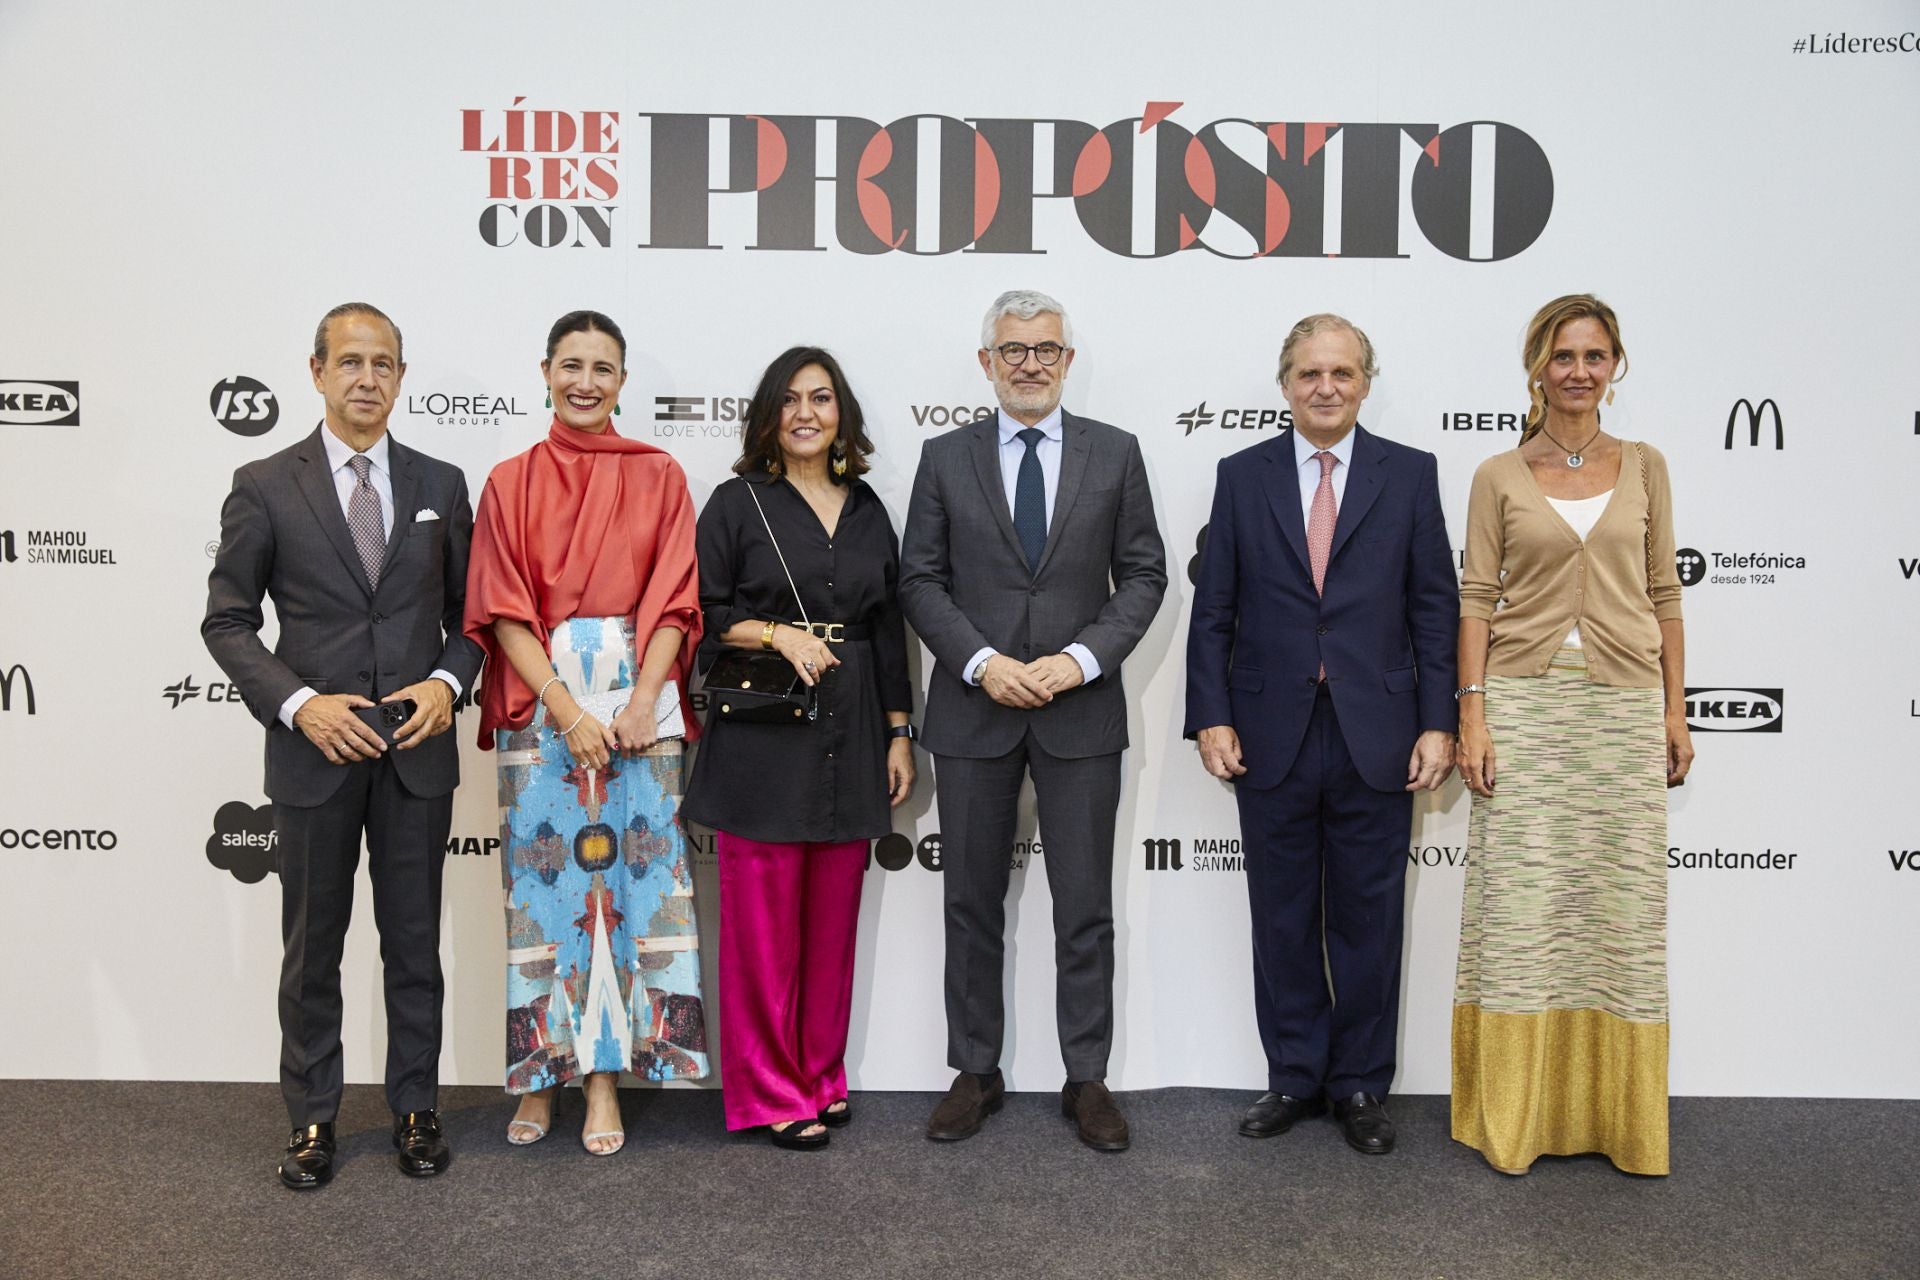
586 322
760 438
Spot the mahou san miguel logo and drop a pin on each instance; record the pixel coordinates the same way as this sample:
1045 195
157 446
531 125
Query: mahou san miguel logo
933 184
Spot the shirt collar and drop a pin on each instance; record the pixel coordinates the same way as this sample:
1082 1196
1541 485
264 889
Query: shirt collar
339 452
1303 449
1050 426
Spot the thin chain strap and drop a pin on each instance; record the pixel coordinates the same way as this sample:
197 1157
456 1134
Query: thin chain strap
1640 459
778 552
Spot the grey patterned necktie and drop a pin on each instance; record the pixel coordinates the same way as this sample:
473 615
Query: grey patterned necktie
363 518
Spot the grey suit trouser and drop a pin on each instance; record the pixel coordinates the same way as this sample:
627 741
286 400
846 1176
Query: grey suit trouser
1077 801
319 852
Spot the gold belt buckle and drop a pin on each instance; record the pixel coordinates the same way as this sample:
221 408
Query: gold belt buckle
831 632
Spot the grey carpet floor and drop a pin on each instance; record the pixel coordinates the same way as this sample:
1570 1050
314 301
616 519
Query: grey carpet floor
161 1180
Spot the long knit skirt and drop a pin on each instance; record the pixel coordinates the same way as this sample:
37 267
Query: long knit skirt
1560 1005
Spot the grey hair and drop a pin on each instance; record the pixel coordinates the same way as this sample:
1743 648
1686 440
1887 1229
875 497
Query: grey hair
1024 304
356 309
1316 323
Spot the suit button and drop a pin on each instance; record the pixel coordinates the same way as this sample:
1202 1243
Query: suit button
1034 591
379 617
1321 629
365 676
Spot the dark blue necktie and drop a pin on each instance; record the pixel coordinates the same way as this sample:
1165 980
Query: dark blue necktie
1030 499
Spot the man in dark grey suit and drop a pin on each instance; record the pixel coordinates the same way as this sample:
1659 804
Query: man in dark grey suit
1031 566
362 543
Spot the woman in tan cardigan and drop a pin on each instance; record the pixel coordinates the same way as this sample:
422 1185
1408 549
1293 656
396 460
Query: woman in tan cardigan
1572 727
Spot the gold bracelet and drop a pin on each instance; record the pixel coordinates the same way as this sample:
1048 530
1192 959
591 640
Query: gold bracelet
766 635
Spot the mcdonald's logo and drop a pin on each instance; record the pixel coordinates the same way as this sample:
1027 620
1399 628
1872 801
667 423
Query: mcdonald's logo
26 686
1163 854
1754 415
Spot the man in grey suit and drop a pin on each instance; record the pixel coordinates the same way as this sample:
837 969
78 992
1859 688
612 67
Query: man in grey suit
362 544
1031 566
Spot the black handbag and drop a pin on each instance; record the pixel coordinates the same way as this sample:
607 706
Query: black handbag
761 687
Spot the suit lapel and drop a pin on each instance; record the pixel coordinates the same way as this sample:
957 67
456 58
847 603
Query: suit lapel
1283 494
1364 481
1075 449
986 463
405 472
316 486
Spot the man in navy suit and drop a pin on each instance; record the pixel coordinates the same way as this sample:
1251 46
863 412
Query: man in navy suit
1320 670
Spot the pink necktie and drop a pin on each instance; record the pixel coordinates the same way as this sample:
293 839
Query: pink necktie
1320 520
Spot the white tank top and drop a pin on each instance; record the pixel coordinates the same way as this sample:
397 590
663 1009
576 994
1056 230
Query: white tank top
1581 514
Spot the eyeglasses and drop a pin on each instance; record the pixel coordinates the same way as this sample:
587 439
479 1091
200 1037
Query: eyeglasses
1015 353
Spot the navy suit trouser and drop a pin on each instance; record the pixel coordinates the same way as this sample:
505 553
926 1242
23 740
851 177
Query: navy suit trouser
1326 862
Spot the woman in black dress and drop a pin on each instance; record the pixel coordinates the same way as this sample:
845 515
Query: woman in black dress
794 805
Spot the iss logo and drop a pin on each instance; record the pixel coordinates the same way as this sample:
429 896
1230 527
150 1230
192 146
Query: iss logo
1755 414
39 404
1735 710
244 841
1692 566
244 406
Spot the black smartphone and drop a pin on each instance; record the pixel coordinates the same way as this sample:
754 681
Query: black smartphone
386 718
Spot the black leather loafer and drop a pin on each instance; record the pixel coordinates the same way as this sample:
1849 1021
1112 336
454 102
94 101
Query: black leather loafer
966 1107
1363 1118
308 1162
1275 1113
422 1149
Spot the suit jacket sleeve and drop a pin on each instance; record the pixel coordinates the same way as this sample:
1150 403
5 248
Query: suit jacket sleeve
1139 568
1211 631
1433 604
460 657
236 590
926 574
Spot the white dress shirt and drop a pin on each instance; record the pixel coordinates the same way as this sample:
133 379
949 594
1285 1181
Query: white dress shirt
1013 450
1309 469
340 456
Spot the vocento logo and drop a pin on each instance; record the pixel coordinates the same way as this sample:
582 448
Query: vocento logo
1144 186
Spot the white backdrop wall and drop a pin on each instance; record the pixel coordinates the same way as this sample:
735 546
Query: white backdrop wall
189 187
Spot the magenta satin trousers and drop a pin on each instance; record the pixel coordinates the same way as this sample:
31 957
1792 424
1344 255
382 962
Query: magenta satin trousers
788 917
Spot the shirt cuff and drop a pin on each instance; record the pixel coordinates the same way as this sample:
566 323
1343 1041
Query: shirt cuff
973 665
296 700
1089 665
452 683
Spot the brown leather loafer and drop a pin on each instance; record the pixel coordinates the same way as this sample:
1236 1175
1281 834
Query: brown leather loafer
1094 1112
966 1107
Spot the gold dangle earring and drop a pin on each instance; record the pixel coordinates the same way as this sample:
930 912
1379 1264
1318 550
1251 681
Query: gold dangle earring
839 452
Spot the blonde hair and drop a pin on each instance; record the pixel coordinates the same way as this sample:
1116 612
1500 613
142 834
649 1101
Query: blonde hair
1537 348
1313 324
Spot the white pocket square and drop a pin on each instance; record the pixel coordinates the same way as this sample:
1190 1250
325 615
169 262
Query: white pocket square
425 513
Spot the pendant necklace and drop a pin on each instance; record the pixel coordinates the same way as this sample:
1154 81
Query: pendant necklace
1574 459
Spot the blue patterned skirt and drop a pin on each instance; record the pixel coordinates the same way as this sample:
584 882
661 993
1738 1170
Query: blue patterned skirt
603 962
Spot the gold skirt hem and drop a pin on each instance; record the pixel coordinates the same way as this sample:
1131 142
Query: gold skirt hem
1558 1083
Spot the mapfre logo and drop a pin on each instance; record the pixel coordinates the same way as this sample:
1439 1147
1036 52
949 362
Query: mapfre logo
244 841
16 677
39 404
927 184
1753 416
1735 710
244 406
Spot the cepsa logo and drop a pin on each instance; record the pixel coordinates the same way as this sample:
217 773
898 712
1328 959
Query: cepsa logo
1145 186
1232 419
39 404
